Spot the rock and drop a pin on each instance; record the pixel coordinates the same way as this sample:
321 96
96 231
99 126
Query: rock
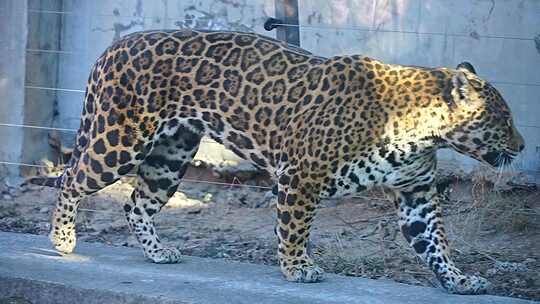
222 255
180 200
24 188
14 300
3 187
269 200
27 187
130 242
43 227
194 211
13 192
506 267
207 197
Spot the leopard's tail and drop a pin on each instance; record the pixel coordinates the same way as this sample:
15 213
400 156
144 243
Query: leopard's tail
48 181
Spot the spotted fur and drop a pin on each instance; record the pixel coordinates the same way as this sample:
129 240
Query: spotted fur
323 127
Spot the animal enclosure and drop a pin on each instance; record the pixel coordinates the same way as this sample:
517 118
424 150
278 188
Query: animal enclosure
224 206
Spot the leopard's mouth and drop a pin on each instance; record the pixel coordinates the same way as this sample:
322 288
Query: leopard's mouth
499 158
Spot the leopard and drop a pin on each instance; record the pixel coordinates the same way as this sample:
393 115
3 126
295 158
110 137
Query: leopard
323 128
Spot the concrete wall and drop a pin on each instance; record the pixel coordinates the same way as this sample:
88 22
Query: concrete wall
13 32
442 33
42 61
419 32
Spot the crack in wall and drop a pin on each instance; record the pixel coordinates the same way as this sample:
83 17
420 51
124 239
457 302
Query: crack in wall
199 19
537 43
118 27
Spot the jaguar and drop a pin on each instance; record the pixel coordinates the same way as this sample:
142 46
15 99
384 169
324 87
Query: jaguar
322 127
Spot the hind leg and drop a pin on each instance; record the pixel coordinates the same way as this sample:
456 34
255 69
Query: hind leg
101 162
62 233
158 178
296 207
89 174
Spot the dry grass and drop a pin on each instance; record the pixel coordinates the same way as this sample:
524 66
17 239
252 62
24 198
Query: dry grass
491 222
490 202
494 228
335 258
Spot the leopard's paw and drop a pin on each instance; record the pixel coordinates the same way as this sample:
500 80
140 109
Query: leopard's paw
467 285
165 256
63 238
302 270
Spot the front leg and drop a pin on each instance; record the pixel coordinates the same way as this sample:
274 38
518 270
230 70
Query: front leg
421 223
295 211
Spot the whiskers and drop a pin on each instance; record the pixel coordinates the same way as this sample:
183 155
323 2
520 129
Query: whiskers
506 166
500 169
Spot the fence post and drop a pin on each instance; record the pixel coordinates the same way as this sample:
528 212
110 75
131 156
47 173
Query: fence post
286 13
44 33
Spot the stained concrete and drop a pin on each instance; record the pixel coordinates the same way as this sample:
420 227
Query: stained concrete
13 32
97 273
498 37
43 41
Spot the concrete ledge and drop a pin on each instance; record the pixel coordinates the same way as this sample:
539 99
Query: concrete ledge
98 273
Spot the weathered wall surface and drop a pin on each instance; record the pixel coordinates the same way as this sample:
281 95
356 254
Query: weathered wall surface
13 32
442 33
497 36
42 61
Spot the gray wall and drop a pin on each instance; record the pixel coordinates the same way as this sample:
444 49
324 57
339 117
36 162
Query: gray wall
497 36
13 33
41 71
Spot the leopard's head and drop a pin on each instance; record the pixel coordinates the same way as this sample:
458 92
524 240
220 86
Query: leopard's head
481 122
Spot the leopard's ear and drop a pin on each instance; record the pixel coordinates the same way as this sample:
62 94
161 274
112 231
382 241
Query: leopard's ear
466 66
461 87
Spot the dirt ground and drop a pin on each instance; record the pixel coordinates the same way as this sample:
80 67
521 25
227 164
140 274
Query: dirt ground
493 234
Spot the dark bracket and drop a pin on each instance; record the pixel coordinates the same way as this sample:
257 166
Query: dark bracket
287 15
272 23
